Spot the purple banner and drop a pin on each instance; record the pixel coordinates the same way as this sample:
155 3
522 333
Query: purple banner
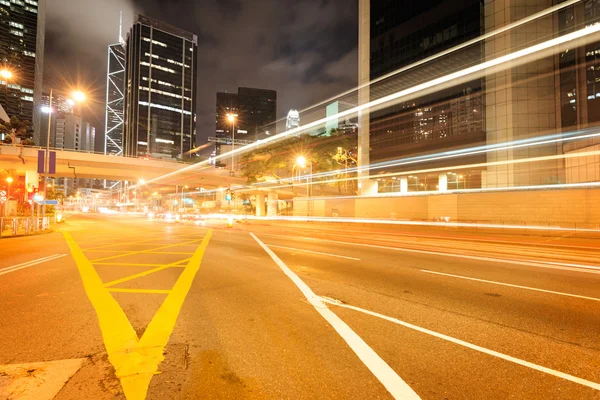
52 163
41 161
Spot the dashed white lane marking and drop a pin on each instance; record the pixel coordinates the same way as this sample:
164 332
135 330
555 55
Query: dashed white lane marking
28 264
590 269
511 285
382 371
472 346
314 252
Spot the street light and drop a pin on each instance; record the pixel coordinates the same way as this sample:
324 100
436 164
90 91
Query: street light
6 75
77 96
231 118
301 163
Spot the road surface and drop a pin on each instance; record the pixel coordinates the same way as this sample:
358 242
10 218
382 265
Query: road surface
112 307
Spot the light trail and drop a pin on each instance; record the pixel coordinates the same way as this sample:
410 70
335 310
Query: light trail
461 46
441 169
375 221
538 141
438 83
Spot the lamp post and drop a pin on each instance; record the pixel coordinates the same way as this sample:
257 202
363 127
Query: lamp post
78 97
231 118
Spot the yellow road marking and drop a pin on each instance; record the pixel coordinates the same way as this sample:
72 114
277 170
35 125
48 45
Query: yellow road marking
152 251
135 276
135 361
150 291
116 243
135 265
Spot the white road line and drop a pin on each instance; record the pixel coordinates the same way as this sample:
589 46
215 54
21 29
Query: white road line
18 267
28 262
313 252
382 371
539 264
472 346
511 285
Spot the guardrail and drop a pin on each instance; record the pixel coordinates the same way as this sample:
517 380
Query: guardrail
18 226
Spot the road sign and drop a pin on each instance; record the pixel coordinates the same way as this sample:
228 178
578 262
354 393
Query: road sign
38 198
3 197
48 202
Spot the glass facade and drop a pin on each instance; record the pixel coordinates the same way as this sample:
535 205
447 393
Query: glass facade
18 43
255 108
403 32
160 102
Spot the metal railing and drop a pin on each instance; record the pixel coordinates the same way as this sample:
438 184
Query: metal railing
17 226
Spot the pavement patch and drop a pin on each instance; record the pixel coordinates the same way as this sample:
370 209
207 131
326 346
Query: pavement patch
36 381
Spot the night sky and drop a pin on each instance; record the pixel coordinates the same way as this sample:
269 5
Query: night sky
304 49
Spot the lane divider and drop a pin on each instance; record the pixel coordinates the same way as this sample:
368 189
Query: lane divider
511 285
471 346
31 263
314 252
591 269
382 371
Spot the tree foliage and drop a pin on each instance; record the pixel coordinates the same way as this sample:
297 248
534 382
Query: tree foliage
17 129
275 161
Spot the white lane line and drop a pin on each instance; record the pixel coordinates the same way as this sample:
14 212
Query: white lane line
511 285
313 252
27 262
539 264
30 264
472 346
382 371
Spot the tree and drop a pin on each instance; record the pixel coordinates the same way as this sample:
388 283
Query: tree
17 129
272 161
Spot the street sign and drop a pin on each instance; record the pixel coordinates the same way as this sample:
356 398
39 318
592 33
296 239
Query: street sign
3 197
48 202
38 198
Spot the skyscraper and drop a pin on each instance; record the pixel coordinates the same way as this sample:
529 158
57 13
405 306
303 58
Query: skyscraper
254 108
115 100
160 90
21 34
403 32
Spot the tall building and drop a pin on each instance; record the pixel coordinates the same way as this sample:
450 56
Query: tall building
115 100
403 32
255 109
160 90
21 35
293 120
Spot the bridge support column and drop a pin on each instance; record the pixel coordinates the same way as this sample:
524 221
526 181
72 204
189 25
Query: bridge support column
272 205
260 205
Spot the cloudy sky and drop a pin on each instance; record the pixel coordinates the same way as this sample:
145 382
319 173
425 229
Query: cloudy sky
304 49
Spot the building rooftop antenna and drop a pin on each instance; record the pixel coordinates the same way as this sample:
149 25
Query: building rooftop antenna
121 40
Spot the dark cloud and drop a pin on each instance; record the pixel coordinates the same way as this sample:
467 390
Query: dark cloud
304 49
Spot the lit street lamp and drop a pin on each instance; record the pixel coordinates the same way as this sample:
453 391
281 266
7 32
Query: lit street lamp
231 118
77 96
9 180
301 164
6 76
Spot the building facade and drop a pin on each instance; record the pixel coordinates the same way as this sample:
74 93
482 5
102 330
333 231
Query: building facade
160 90
21 52
254 110
115 100
404 32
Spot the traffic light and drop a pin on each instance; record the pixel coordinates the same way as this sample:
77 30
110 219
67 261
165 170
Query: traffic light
228 196
232 195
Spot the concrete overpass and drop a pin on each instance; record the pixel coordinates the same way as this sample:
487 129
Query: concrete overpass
99 166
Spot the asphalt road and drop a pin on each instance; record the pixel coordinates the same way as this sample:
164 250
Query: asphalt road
170 311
